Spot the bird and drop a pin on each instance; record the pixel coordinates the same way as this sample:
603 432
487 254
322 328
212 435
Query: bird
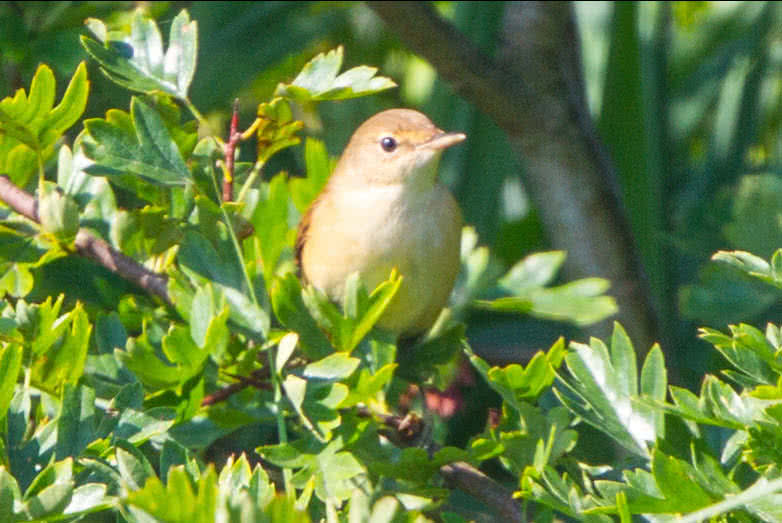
384 209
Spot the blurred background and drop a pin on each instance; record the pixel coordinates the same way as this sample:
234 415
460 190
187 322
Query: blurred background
687 97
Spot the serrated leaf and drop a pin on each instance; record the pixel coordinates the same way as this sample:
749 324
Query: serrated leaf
599 391
180 59
290 310
582 302
138 63
677 481
319 80
149 151
30 125
368 385
515 383
64 362
753 265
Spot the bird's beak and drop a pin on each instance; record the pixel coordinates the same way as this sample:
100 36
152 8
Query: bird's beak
443 140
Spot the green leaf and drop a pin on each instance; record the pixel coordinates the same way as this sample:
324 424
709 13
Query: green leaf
276 129
89 498
753 265
68 111
677 480
58 212
180 60
76 423
270 222
516 384
285 349
319 168
140 357
748 350
373 308
207 265
50 492
134 468
196 498
319 80
601 391
137 427
535 270
361 311
368 385
146 149
63 362
9 493
17 281
334 470
290 310
333 367
51 501
138 62
10 365
181 350
30 125
316 404
581 302
414 464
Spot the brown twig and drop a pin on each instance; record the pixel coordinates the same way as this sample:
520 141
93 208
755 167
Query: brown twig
90 246
256 380
458 474
234 136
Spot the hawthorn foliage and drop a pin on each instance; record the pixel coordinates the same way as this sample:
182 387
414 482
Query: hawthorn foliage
111 409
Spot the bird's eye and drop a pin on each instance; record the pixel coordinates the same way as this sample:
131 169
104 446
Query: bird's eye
388 144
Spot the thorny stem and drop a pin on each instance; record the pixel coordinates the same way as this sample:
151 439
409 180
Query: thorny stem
229 150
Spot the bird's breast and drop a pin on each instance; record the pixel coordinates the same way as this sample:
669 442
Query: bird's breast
376 229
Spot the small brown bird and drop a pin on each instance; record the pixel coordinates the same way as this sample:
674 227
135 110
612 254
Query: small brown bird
383 209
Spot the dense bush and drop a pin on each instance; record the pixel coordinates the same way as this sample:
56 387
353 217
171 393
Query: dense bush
201 382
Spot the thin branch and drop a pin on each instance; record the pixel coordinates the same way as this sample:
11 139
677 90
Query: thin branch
472 73
90 246
461 475
480 486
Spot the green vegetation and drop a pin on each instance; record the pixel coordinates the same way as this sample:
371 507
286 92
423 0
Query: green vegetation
161 361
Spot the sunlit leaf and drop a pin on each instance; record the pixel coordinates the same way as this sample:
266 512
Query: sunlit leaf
320 80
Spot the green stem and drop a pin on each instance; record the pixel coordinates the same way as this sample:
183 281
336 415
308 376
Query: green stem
282 430
235 241
198 116
250 181
239 254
